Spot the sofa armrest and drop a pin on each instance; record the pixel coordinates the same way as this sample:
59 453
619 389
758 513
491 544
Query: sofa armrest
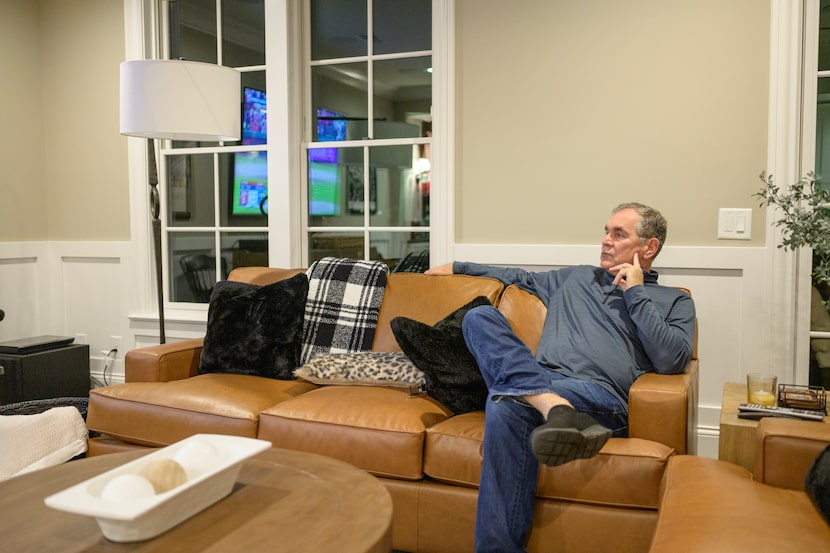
663 408
785 450
163 363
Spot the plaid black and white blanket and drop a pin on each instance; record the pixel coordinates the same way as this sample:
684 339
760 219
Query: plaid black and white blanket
341 312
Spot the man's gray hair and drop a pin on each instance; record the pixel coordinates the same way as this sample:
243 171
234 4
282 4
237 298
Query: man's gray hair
652 223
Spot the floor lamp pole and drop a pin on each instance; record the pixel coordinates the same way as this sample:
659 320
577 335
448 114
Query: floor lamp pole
155 208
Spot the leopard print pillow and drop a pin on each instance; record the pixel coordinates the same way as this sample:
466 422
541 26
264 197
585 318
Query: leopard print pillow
366 368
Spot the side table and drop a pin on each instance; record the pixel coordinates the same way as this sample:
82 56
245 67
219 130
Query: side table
736 443
737 436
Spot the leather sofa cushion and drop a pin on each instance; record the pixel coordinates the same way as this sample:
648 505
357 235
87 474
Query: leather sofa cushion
161 413
378 429
711 505
427 299
625 473
453 449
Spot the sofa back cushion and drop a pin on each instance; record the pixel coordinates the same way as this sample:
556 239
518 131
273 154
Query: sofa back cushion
262 275
427 299
526 314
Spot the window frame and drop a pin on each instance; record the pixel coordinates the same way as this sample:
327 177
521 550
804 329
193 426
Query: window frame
440 239
284 82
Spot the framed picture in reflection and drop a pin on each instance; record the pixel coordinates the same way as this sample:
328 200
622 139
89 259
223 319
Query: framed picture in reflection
355 191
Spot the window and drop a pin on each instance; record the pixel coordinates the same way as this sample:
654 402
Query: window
217 194
820 292
368 113
352 169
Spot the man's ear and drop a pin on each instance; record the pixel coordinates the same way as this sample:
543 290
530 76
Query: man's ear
651 248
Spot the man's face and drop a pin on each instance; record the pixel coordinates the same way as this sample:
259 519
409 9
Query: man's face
621 241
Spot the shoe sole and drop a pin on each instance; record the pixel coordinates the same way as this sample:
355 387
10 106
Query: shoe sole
557 446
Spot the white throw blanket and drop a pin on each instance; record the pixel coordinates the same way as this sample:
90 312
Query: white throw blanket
32 442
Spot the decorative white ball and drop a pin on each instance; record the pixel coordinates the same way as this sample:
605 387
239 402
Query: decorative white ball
127 487
196 456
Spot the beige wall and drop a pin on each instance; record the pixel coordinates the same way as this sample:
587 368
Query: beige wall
566 108
22 184
64 164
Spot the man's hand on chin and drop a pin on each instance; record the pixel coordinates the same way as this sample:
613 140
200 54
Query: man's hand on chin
627 275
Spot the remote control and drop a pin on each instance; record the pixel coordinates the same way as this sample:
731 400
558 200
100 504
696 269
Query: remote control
756 415
764 410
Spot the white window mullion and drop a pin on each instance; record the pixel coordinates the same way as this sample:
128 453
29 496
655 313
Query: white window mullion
442 150
283 113
370 125
219 56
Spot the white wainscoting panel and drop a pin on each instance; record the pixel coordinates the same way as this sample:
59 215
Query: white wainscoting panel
20 294
88 290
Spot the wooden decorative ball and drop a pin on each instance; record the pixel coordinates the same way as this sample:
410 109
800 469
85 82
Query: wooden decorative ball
164 474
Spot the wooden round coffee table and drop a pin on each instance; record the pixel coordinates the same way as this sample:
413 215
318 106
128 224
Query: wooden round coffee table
283 501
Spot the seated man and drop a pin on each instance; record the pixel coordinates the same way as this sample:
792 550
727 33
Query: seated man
605 326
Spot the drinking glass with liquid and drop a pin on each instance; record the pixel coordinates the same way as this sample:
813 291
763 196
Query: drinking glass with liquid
762 389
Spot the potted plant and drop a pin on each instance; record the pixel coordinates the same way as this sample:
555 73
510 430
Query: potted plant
805 220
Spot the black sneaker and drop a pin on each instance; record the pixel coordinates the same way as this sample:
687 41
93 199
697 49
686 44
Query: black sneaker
566 436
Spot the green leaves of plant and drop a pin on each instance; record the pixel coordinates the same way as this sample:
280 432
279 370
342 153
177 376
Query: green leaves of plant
804 210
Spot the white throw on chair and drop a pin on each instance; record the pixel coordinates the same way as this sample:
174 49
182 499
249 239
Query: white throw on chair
32 442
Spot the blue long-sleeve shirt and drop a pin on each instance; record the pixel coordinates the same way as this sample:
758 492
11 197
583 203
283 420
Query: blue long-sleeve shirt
595 331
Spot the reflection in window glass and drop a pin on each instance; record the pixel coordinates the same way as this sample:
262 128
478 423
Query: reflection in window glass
403 89
394 186
244 249
243 187
402 26
338 28
193 30
331 244
243 34
325 187
341 90
192 263
190 197
331 178
402 251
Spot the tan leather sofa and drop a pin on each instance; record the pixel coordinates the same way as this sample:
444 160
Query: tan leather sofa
709 505
428 459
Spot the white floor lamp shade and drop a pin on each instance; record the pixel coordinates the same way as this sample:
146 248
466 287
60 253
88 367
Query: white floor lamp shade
177 100
180 100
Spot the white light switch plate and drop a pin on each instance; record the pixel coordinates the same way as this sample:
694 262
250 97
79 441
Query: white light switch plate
734 224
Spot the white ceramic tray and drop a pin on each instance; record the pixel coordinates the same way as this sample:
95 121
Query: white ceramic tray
211 462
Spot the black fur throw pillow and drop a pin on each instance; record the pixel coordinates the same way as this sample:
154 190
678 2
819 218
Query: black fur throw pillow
817 483
255 330
451 373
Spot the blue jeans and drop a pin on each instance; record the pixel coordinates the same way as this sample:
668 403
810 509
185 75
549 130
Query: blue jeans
509 470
